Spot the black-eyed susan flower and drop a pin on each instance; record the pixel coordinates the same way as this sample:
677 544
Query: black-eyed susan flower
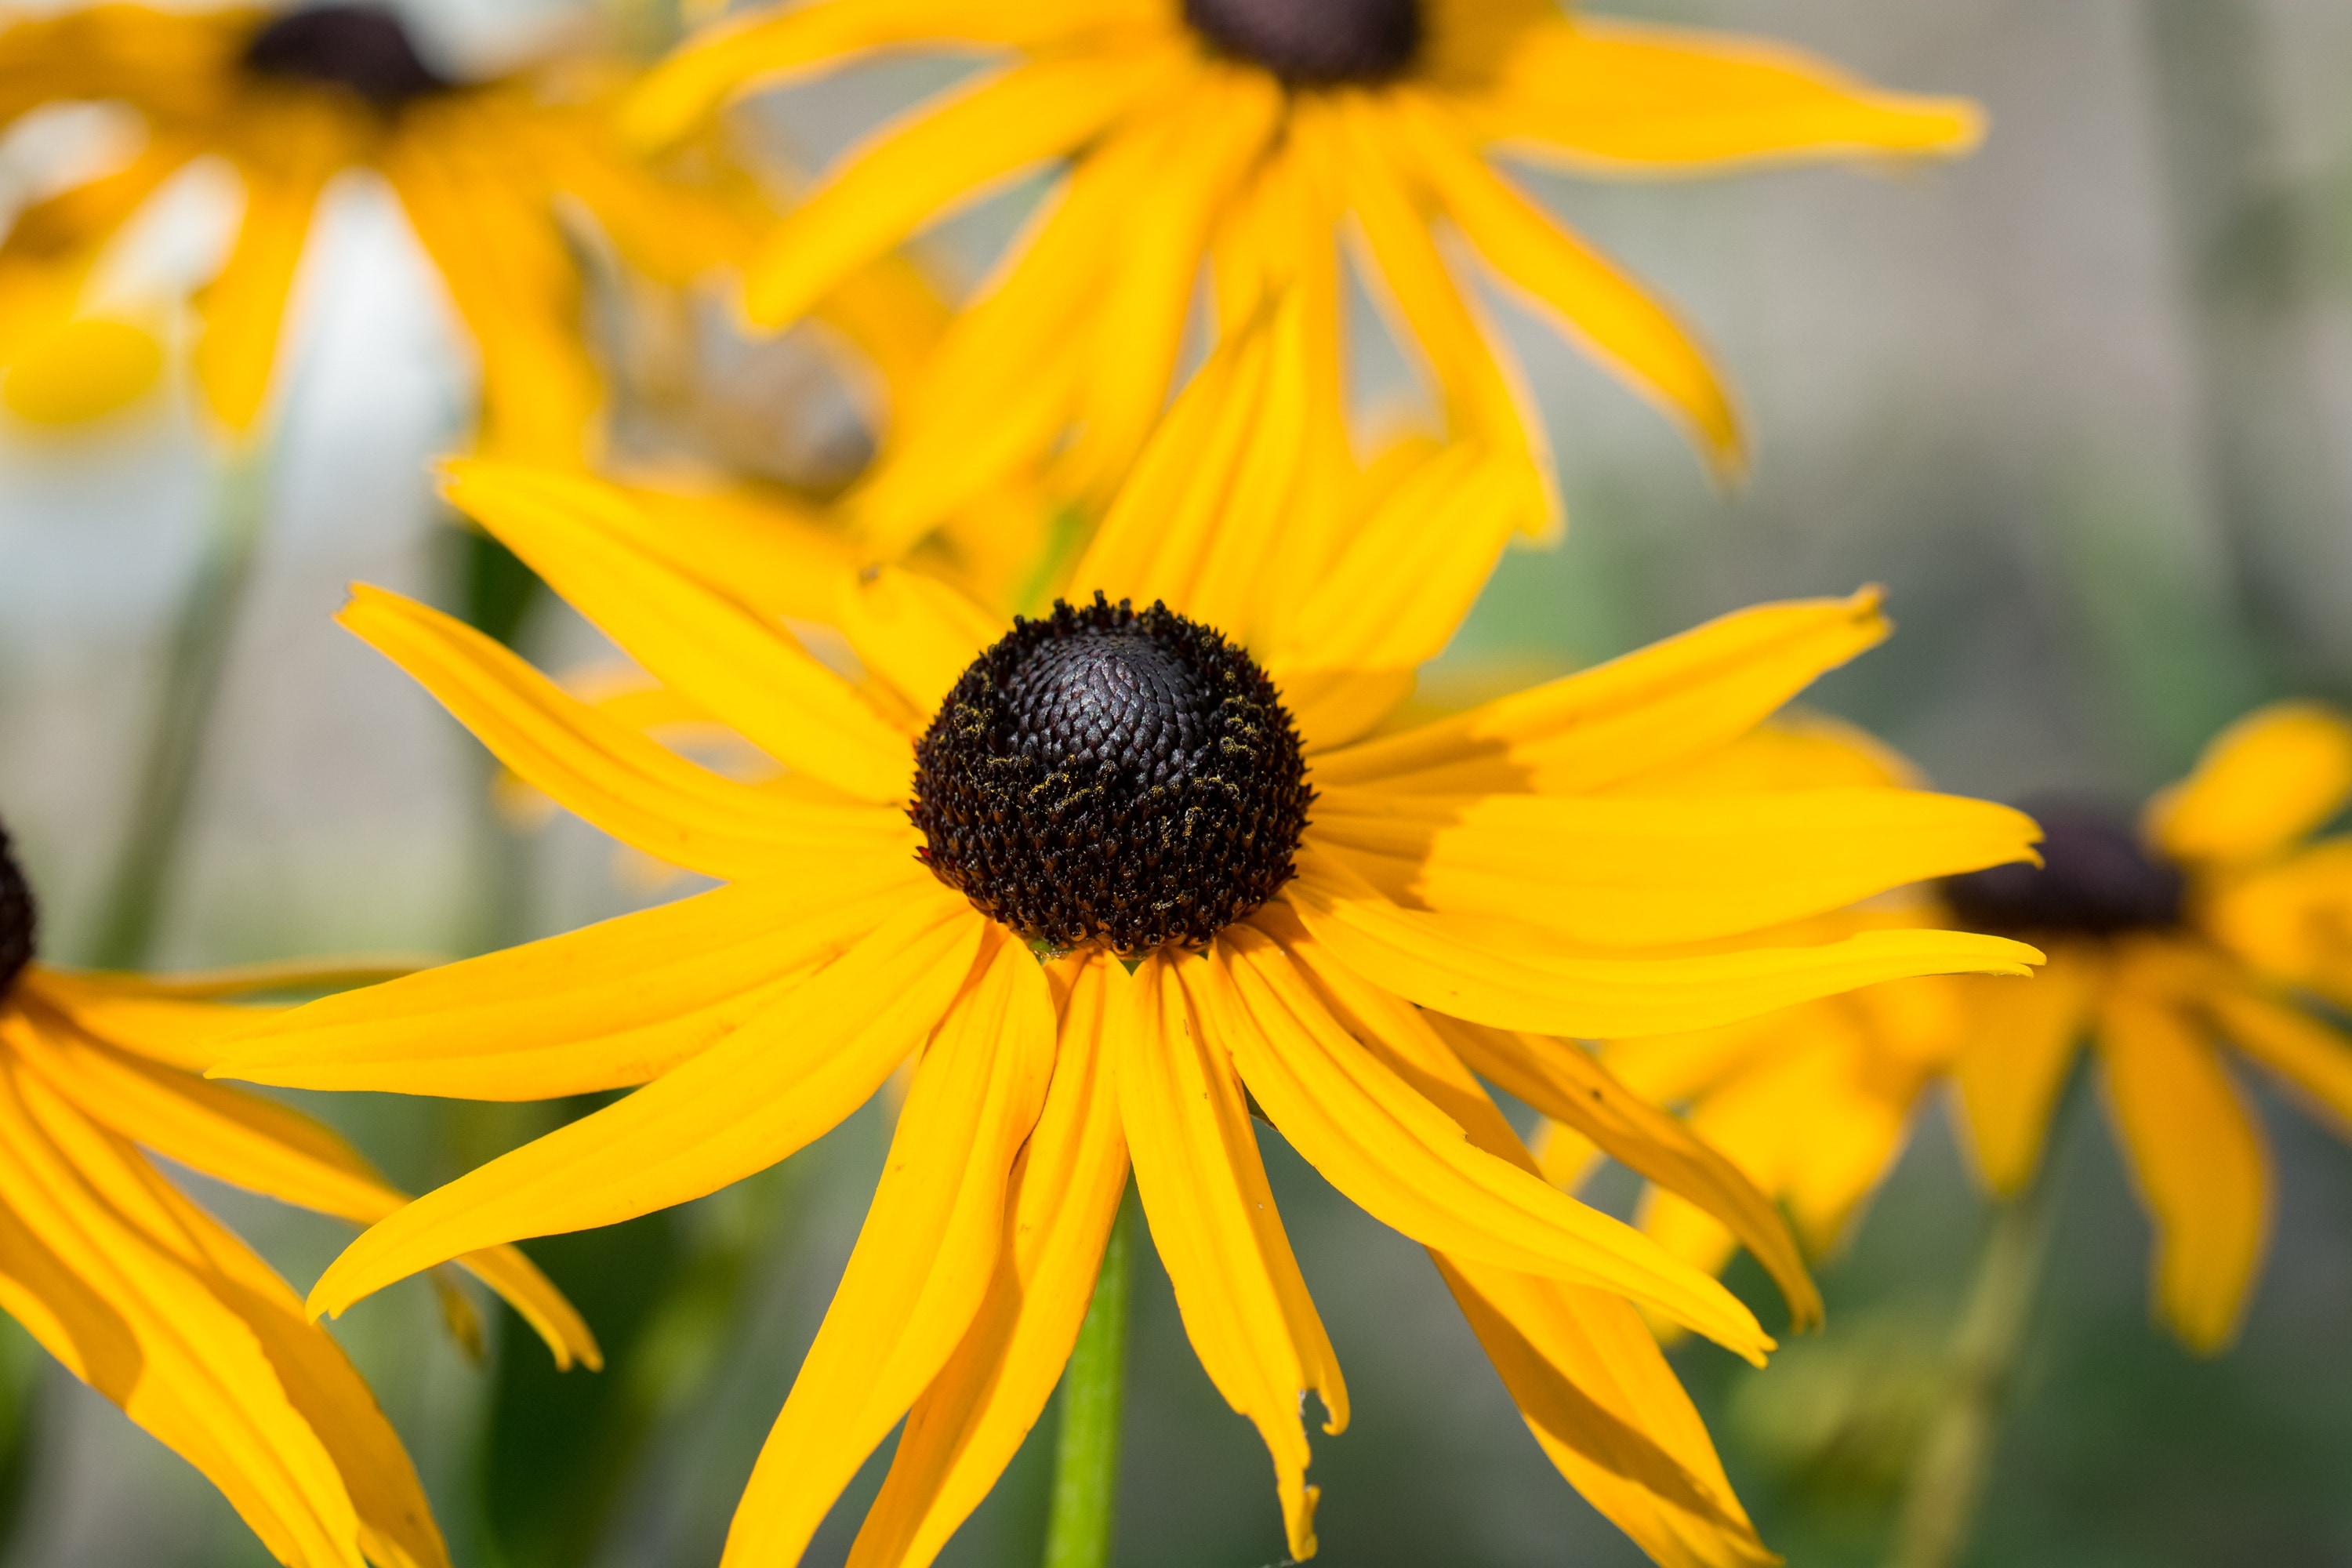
1111 877
294 99
149 1300
2214 928
1247 135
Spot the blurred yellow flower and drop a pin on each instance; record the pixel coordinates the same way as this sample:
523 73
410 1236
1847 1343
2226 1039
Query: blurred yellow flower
2216 927
1251 134
79 369
292 100
146 1298
1127 791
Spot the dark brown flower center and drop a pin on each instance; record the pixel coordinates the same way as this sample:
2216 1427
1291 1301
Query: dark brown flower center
2096 878
19 920
1314 43
354 47
1105 775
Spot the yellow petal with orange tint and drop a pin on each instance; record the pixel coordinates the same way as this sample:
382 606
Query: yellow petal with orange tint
747 672
268 1147
756 48
1410 1165
106 1265
2198 1161
768 1088
924 1259
2020 1044
914 171
1664 704
1613 317
1608 95
1245 1308
1630 872
1521 980
1597 1393
2262 783
1059 1206
606 771
609 1006
1568 1085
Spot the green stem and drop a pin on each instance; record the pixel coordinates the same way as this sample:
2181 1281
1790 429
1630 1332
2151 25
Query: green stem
199 651
1947 1474
1086 1462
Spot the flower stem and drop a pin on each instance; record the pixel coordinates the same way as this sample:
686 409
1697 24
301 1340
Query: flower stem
1947 1474
150 852
1086 1462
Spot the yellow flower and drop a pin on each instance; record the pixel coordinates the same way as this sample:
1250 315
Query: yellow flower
151 1301
1251 134
294 99
2216 927
1129 790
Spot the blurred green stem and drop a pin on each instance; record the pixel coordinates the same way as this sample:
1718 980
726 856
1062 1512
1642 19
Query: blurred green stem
1947 1473
198 657
1094 1387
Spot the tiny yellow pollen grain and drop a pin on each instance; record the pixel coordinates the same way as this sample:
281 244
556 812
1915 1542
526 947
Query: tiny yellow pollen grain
82 369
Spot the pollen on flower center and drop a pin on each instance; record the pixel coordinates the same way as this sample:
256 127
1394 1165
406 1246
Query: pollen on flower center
1314 43
2096 878
18 918
354 46
1114 776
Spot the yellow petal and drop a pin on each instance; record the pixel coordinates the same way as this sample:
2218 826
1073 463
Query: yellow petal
1568 1085
1664 704
2022 1042
245 305
1244 1307
481 210
1630 872
913 170
761 47
1409 1164
268 1147
997 394
1167 523
1399 589
1614 318
914 631
759 546
2262 783
640 792
1064 1194
1606 94
1818 1124
2314 1057
760 1094
83 369
1606 1407
2198 1161
756 1096
924 1259
1214 136
1526 984
122 1280
1483 398
613 1005
748 672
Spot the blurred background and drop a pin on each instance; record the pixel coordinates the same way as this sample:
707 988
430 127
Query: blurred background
2082 401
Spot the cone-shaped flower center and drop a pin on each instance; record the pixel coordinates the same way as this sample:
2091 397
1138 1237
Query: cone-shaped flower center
1101 775
17 919
1314 43
2096 879
354 46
